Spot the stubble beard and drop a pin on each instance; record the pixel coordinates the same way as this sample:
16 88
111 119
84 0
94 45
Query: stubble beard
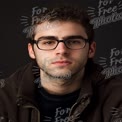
55 74
68 76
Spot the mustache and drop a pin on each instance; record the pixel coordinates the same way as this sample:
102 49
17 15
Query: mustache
49 61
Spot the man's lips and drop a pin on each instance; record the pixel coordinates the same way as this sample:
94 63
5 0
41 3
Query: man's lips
62 63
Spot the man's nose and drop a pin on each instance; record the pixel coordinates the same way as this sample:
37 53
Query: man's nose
61 48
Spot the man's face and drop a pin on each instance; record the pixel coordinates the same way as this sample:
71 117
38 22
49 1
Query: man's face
61 62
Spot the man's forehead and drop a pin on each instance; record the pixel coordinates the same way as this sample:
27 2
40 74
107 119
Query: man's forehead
47 25
59 28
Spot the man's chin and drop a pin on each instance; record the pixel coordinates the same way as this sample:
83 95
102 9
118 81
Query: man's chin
60 75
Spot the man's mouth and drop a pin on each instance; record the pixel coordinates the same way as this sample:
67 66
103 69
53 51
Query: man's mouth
62 63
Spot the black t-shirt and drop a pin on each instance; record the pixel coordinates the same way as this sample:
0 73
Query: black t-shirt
55 108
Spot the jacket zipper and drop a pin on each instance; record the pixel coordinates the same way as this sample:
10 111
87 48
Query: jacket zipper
71 111
81 103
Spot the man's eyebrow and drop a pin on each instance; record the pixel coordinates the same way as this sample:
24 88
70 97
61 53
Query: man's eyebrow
74 37
47 37
64 38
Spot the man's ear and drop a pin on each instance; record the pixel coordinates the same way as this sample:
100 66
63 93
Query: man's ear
31 51
92 49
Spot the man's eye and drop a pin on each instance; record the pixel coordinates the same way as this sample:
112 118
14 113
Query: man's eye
74 41
48 42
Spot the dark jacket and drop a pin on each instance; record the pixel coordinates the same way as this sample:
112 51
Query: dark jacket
100 100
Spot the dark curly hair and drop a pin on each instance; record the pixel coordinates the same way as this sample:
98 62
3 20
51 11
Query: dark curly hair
65 13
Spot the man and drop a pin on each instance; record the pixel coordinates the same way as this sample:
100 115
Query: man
62 83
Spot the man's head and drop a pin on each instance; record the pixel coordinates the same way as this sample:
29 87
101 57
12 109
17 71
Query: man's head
65 13
62 42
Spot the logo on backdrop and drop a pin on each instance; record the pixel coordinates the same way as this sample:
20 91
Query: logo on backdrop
28 21
113 64
107 11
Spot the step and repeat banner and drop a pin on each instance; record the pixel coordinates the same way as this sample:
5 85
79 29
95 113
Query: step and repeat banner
16 18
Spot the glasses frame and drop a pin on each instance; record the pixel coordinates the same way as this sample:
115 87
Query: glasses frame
64 41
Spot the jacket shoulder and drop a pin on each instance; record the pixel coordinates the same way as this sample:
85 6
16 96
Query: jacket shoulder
14 81
111 93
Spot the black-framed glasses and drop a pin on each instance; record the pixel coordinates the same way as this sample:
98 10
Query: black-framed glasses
50 43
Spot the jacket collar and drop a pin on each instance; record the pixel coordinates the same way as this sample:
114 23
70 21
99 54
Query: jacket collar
30 72
91 79
26 88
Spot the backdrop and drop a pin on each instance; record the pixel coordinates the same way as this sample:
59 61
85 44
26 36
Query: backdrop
16 18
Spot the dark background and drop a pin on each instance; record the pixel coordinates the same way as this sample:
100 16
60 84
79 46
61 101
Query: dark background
13 41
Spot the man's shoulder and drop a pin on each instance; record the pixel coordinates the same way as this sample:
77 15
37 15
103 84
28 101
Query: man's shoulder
13 85
14 80
113 82
111 89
